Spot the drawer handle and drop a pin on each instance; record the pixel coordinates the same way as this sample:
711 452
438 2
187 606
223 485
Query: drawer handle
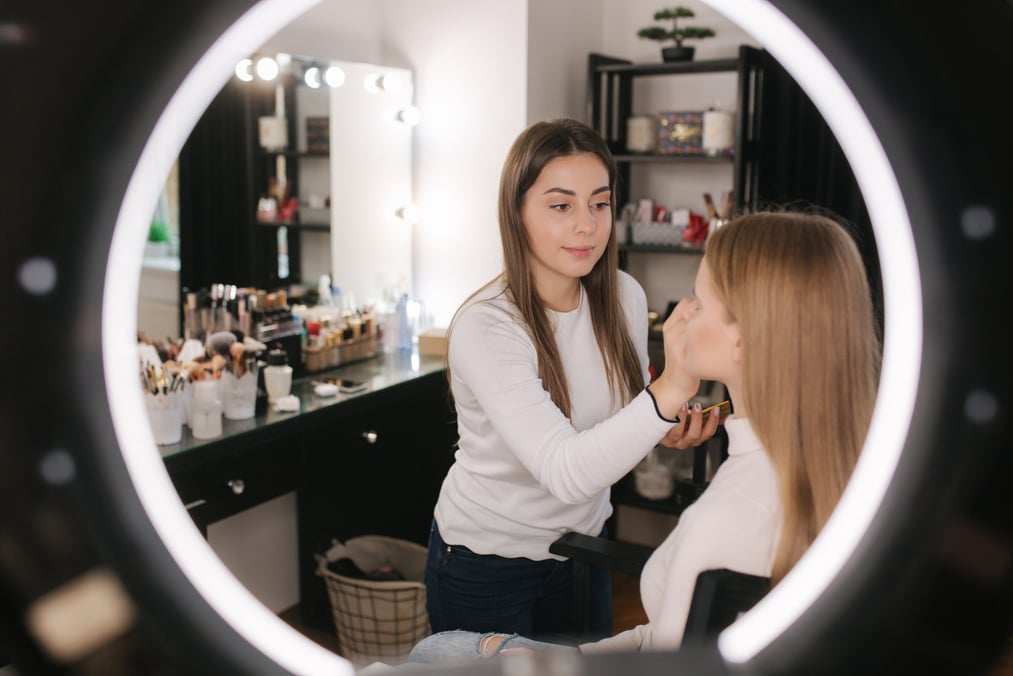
237 486
370 437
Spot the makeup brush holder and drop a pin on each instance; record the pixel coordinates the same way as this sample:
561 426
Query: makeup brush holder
165 414
239 395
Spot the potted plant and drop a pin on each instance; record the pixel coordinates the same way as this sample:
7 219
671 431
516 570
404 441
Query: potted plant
677 33
158 240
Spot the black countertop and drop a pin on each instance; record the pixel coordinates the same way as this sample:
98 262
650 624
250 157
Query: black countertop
379 373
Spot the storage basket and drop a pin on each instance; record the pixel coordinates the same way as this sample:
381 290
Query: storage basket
377 620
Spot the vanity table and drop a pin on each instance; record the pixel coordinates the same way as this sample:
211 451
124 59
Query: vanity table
371 462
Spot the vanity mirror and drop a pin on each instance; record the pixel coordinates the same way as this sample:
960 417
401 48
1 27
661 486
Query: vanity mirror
287 178
942 219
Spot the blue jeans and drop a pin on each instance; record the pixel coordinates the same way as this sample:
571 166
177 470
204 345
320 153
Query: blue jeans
451 647
489 593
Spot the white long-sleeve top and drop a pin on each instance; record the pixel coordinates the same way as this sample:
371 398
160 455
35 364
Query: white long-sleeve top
735 524
524 474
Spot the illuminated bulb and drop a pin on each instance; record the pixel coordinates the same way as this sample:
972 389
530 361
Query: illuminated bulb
267 68
411 115
312 77
334 76
389 82
408 213
283 59
244 70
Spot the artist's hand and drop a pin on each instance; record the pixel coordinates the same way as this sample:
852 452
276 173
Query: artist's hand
691 430
675 384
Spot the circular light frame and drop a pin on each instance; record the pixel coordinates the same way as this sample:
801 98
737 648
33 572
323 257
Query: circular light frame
45 282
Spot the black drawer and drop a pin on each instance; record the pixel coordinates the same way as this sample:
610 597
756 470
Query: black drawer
237 480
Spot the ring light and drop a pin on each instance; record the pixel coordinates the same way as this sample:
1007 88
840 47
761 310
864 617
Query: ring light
187 600
902 342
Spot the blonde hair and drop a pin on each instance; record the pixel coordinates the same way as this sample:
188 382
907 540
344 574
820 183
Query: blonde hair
535 147
796 284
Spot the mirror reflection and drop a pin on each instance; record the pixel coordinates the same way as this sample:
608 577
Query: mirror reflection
339 241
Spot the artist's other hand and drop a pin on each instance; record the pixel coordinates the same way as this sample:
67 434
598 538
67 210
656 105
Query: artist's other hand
691 430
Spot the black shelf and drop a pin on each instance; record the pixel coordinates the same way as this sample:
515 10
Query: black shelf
655 158
293 153
302 226
671 67
624 492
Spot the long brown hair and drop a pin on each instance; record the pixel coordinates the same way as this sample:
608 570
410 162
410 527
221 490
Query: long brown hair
797 287
531 151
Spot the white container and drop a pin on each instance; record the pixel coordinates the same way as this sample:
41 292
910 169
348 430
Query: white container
653 478
165 413
641 134
205 410
239 395
718 131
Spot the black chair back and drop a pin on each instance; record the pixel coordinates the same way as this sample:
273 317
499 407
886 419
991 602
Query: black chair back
719 597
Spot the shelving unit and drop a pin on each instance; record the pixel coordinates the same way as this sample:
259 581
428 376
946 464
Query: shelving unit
610 95
610 102
610 84
302 165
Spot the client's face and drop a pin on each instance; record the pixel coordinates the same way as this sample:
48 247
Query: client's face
713 342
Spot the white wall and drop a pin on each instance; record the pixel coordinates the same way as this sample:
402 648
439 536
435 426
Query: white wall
561 33
470 64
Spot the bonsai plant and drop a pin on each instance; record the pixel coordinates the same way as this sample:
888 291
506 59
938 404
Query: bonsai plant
676 33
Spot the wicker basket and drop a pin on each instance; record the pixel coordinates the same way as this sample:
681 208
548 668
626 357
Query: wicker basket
377 620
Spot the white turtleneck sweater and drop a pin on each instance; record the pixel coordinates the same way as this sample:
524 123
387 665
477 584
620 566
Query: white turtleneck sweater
734 524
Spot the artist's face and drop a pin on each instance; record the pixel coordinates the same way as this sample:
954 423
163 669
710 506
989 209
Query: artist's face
568 217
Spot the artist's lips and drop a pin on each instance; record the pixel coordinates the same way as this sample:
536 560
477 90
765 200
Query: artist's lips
579 251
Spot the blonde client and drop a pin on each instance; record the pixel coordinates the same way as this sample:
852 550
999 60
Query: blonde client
782 315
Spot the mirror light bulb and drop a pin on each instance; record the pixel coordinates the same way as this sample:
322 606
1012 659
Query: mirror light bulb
409 213
312 77
334 76
267 68
244 70
389 82
410 115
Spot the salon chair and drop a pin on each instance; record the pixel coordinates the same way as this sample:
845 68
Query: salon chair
719 595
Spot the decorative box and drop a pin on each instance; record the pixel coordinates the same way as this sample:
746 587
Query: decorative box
318 134
680 133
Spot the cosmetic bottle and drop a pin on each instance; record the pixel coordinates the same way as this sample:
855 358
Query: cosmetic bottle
277 375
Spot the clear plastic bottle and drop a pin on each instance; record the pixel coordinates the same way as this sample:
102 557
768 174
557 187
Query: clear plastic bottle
404 325
277 375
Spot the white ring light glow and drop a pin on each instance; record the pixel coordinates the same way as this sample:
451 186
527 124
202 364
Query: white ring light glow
205 571
902 342
744 639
